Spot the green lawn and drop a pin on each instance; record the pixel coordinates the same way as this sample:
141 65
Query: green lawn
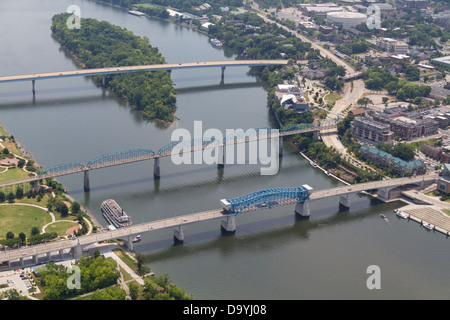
60 227
17 218
13 174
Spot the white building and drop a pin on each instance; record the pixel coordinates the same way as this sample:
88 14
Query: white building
346 19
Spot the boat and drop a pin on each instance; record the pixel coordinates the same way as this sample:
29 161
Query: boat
313 164
216 42
382 216
428 226
327 173
137 238
115 214
401 214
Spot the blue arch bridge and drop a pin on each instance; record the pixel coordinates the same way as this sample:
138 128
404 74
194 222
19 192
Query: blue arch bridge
229 210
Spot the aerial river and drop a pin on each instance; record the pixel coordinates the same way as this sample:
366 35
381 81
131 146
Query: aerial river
272 254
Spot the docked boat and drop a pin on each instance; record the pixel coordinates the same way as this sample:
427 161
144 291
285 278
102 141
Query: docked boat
216 42
313 164
137 238
401 214
428 226
115 214
327 173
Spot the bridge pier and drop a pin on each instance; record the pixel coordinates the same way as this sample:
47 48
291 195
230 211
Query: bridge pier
76 251
228 226
87 186
345 200
315 135
33 83
221 156
223 75
156 169
303 209
36 186
178 235
280 146
103 80
384 192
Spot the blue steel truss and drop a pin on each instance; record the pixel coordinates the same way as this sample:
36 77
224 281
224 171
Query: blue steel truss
267 198
60 168
299 126
113 157
186 145
241 134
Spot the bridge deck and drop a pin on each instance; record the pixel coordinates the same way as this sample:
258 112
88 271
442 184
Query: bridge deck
191 218
117 70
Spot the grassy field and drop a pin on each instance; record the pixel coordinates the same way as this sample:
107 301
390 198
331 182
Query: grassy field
13 174
60 227
17 218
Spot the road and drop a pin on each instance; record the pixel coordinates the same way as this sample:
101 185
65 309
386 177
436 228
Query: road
350 95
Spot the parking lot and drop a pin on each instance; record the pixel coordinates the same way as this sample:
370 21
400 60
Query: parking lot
16 279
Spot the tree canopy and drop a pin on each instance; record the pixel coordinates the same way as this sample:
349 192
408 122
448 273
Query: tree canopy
99 44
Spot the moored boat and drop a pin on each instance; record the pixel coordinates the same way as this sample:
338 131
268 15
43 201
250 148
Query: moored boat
216 42
115 214
313 164
428 226
401 214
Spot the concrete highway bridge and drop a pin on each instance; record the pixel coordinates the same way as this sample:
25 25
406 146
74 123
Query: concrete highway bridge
103 72
139 154
231 208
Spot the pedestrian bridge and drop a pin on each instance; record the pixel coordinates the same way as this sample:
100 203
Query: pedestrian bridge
252 202
198 144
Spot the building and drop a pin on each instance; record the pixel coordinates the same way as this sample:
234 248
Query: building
357 112
413 4
443 61
443 183
346 19
442 20
290 97
407 125
368 129
432 152
392 45
399 166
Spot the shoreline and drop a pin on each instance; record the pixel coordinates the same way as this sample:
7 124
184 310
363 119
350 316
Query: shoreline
27 154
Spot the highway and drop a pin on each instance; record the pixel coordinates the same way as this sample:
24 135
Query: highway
118 70
131 231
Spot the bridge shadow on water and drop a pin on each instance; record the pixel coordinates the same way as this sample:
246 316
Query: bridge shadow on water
251 235
176 175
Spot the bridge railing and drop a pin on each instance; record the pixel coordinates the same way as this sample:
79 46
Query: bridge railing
268 197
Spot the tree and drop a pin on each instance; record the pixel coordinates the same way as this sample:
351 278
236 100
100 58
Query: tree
35 231
2 196
64 210
75 208
22 237
10 197
134 291
9 235
19 193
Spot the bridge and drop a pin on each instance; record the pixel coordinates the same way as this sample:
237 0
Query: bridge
189 146
231 208
103 72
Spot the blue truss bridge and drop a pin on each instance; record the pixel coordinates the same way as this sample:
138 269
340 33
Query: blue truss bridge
142 154
229 212
266 199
